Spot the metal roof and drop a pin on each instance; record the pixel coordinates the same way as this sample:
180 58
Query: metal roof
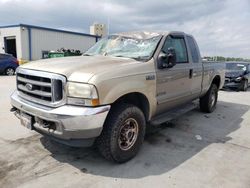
49 29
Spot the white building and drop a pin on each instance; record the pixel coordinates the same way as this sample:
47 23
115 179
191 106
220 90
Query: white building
28 42
98 29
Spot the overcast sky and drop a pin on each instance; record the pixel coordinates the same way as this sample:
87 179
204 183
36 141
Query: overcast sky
221 27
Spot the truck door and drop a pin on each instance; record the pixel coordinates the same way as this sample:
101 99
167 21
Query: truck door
173 84
196 68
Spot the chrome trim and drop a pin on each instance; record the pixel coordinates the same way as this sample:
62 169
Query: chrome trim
44 84
36 92
42 74
87 120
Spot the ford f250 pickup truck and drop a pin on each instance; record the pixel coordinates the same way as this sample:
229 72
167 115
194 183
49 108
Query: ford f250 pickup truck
121 85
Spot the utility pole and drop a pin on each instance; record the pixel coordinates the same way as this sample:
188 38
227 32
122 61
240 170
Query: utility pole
108 25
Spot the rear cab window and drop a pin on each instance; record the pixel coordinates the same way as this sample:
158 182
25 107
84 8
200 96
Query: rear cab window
193 48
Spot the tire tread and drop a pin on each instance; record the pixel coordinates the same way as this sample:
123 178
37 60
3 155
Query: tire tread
117 114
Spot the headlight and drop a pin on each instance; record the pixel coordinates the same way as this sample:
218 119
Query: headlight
82 94
80 90
238 79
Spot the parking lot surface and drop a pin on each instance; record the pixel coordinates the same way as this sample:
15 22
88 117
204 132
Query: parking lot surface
195 150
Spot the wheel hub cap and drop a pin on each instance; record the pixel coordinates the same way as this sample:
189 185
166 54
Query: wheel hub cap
128 134
213 99
10 71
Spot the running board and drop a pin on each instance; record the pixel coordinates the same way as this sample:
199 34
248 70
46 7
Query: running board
172 114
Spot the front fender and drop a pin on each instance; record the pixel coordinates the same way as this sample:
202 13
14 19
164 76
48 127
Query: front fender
111 90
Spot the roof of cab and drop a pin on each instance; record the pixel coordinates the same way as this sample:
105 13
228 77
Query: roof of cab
147 34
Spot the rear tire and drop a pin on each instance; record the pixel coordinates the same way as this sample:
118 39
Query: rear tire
10 71
209 100
123 133
244 85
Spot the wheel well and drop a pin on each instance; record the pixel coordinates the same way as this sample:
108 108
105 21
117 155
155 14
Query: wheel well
9 67
137 99
216 81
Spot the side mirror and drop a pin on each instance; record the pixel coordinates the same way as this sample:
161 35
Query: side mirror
167 59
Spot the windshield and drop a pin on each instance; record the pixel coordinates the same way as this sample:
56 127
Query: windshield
236 66
120 46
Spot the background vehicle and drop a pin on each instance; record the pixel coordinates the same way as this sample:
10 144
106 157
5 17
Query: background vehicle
237 75
8 64
122 83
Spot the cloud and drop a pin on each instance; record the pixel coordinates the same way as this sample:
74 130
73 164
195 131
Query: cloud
220 27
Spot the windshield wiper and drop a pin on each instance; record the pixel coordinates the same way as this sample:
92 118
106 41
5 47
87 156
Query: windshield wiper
143 58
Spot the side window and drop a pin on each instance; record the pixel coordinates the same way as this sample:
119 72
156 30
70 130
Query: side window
178 43
193 48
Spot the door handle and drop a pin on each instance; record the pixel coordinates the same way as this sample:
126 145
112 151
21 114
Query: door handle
190 73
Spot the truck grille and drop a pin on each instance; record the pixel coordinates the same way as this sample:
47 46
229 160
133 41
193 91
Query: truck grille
41 87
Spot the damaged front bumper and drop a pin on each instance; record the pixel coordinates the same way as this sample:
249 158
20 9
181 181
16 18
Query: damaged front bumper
71 125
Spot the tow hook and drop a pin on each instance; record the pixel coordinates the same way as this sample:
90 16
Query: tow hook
16 112
13 109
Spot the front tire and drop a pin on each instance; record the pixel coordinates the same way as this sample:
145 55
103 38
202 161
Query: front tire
123 133
209 100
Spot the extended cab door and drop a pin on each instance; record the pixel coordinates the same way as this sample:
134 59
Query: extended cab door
196 74
173 84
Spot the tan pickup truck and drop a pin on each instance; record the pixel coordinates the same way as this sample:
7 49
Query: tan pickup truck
121 85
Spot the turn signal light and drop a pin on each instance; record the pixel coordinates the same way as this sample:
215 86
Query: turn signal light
95 102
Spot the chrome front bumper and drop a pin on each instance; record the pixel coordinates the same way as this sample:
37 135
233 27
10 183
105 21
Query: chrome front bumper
64 123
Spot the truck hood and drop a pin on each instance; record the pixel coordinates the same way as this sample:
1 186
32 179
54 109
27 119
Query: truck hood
80 68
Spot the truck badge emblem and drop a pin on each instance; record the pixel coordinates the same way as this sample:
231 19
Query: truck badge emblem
29 87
